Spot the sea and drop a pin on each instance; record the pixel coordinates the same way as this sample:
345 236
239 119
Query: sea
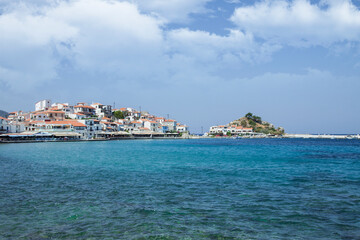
181 189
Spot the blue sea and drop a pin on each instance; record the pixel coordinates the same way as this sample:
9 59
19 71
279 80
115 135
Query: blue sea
181 189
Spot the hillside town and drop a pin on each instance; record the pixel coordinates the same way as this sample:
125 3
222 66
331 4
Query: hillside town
82 121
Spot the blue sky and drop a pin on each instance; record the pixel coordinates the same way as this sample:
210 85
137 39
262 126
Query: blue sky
295 63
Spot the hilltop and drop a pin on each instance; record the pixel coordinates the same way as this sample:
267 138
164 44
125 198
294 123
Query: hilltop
3 114
258 125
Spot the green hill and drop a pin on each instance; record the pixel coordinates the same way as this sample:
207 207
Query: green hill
258 125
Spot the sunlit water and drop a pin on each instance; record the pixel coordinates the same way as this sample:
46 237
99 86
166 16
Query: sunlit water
181 189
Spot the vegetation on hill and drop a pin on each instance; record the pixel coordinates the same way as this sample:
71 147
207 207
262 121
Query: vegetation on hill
258 125
3 114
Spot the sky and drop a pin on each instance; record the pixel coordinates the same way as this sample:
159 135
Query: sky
204 62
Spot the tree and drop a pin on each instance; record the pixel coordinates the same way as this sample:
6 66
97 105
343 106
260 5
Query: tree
119 115
228 133
249 115
243 123
252 123
257 119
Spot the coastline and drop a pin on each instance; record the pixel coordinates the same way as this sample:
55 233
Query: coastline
134 137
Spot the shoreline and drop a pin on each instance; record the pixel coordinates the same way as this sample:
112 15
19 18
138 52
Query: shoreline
286 136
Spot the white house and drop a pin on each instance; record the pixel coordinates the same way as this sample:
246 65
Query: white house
182 128
171 124
93 127
102 110
4 125
137 124
39 116
84 109
151 125
43 105
16 127
76 115
234 130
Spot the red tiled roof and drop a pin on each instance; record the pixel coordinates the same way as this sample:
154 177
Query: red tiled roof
150 121
136 122
81 106
69 122
61 112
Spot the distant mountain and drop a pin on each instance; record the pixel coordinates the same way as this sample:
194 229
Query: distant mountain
260 126
3 114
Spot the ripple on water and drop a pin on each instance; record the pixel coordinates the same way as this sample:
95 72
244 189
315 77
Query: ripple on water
184 189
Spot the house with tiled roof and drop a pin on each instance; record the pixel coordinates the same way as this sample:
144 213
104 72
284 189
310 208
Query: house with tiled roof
170 123
152 125
84 109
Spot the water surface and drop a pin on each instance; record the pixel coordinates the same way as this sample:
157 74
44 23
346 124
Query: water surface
181 189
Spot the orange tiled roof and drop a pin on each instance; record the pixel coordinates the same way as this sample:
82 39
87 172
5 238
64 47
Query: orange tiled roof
68 122
136 122
150 121
81 106
54 112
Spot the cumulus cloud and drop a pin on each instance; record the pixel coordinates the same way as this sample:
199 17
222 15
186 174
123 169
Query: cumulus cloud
172 10
299 22
113 40
167 10
93 35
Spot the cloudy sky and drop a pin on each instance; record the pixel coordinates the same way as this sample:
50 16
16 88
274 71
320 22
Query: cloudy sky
203 62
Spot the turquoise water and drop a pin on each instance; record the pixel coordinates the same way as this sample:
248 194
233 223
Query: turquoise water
181 189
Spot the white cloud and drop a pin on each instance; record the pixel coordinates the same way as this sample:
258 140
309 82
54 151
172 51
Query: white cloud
167 10
300 23
214 54
172 10
113 40
94 35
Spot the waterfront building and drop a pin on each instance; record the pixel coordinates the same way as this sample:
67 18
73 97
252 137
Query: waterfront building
4 125
182 128
84 121
170 123
151 125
